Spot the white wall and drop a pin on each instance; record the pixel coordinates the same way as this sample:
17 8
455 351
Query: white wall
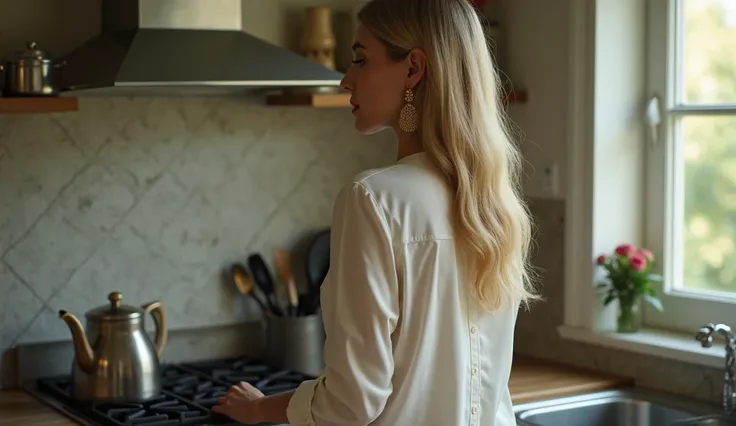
619 131
536 42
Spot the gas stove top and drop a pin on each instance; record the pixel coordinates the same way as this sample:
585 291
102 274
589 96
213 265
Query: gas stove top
189 392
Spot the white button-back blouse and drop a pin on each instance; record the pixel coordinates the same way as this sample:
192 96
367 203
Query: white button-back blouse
407 344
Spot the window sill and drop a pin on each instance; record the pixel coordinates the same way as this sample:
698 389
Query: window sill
677 346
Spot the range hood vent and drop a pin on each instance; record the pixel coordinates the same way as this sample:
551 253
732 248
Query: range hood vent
192 47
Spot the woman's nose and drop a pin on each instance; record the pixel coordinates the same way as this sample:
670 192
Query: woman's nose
345 85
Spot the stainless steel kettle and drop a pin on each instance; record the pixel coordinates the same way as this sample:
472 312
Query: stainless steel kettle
114 360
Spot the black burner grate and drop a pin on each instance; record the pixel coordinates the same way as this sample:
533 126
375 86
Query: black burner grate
268 380
193 386
163 410
189 392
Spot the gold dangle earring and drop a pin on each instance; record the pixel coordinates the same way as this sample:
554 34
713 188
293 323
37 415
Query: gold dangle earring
408 118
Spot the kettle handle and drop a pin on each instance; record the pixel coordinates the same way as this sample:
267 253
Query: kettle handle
156 309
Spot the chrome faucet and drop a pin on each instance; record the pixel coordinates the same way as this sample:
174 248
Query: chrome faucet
705 337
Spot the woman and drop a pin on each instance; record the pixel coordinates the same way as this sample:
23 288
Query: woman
429 259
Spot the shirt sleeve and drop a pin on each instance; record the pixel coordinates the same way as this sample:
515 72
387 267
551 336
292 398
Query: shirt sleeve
360 308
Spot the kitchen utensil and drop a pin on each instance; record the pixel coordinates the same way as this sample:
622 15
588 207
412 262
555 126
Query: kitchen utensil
310 302
317 266
114 360
244 282
295 343
260 273
281 260
32 72
318 259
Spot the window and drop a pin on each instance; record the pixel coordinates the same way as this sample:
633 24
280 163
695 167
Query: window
691 191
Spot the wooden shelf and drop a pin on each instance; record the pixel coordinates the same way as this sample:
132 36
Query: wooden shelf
342 100
317 100
37 105
41 105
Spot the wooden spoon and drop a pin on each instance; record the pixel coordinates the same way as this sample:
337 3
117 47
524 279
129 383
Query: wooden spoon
244 283
281 261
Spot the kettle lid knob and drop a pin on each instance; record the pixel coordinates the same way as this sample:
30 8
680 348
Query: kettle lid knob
114 310
115 297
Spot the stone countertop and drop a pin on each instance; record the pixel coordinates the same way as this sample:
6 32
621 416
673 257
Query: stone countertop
530 380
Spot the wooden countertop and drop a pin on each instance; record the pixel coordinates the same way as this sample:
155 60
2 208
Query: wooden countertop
530 380
20 408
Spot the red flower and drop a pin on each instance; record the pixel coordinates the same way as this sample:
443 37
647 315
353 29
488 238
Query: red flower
601 259
638 262
625 249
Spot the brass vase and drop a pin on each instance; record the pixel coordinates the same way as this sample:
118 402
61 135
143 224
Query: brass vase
318 41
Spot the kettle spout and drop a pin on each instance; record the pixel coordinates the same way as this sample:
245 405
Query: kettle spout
82 350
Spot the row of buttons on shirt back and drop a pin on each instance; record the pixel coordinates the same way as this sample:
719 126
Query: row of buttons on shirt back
474 350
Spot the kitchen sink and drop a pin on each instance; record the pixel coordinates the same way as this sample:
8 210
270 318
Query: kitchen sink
614 411
622 407
714 420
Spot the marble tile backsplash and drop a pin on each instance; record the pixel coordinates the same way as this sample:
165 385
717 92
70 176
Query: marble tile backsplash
154 197
536 331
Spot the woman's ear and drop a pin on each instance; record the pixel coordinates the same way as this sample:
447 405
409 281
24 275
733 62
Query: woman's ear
417 66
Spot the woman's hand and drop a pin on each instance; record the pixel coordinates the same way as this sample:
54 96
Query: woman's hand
240 403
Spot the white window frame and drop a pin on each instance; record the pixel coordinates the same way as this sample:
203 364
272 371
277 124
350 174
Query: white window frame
684 311
587 232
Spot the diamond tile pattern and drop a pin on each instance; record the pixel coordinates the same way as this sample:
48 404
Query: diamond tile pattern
154 196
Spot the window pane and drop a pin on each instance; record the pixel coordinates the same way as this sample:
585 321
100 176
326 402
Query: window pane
709 219
708 61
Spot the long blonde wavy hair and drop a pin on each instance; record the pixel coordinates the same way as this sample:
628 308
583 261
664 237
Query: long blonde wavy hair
464 129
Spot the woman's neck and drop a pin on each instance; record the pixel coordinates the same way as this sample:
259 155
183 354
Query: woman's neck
408 144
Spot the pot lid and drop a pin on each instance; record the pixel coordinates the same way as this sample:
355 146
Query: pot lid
32 52
114 311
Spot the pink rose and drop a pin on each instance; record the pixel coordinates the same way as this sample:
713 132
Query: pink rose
647 254
601 259
625 249
638 262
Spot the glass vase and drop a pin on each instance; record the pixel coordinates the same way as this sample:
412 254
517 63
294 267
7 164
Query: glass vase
629 316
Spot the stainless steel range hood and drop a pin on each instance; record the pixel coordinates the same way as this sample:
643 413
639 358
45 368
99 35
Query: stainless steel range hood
191 47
